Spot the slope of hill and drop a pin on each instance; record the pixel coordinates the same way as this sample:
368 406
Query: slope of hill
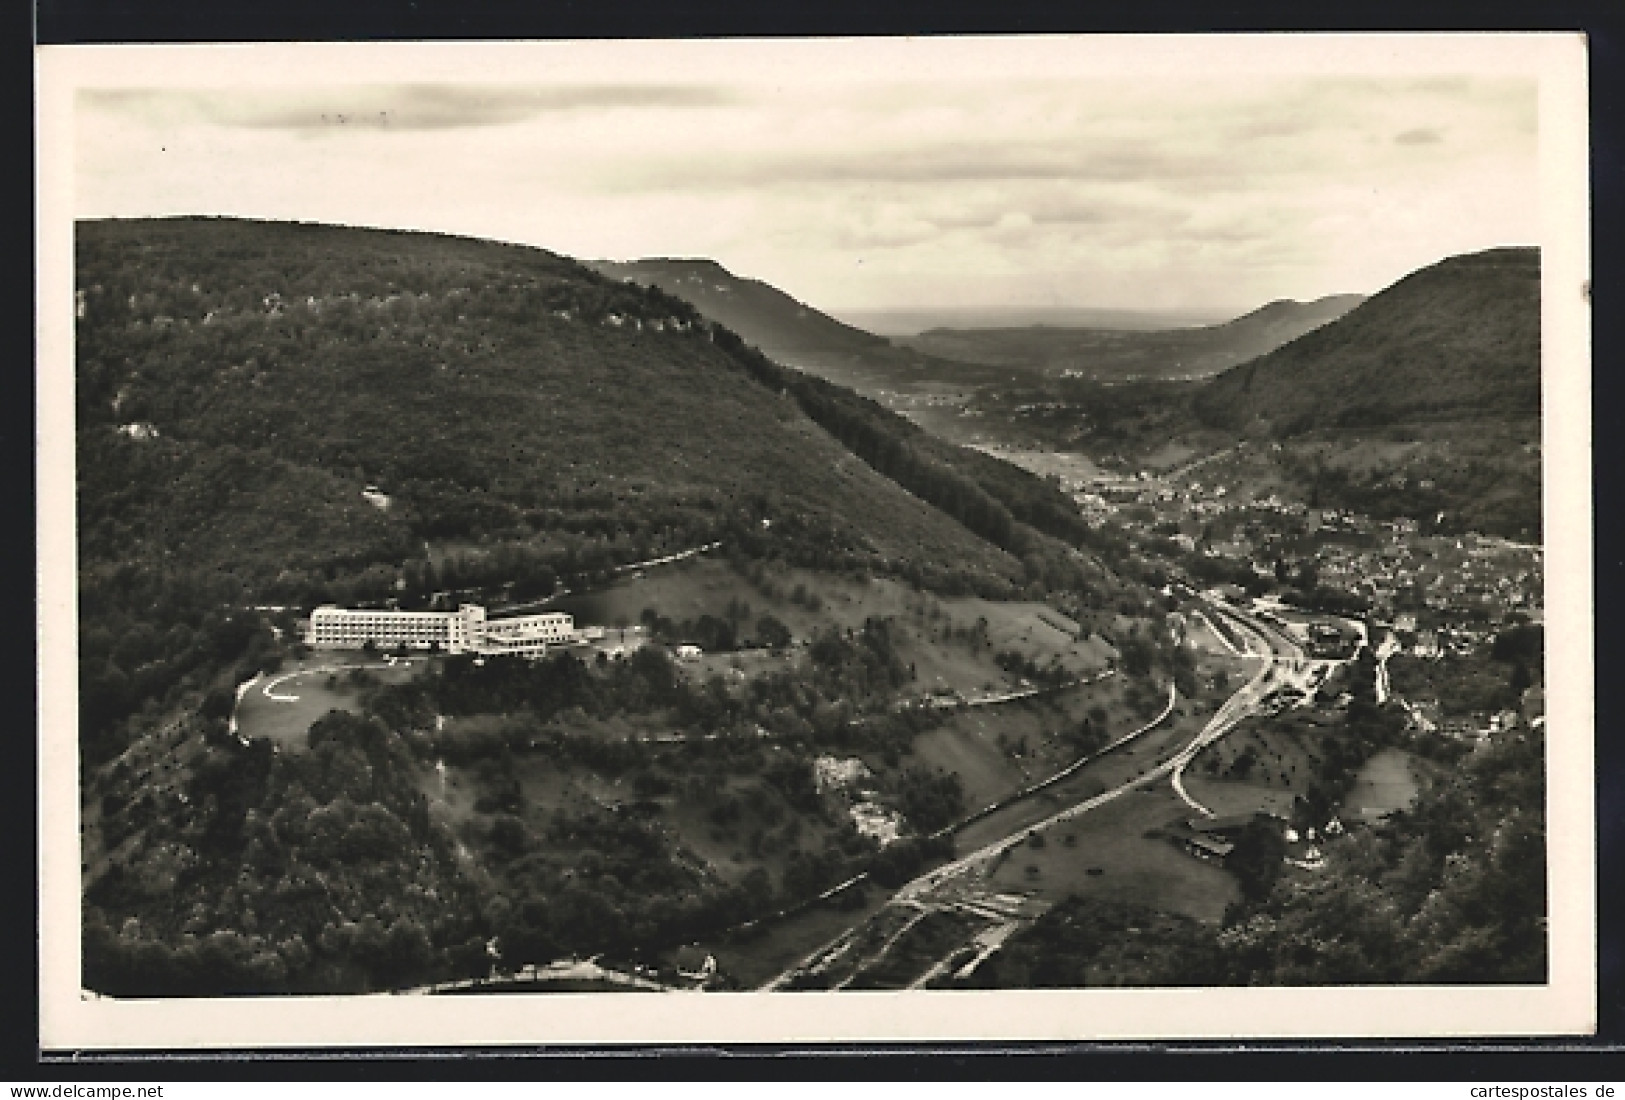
1118 354
762 314
1422 402
1457 340
280 413
272 415
791 331
241 386
262 376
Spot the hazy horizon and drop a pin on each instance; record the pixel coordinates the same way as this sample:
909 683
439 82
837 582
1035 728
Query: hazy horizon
906 319
913 320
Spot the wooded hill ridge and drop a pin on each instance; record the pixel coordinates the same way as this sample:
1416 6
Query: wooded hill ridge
791 331
241 384
794 332
1422 402
1458 340
487 389
285 414
761 313
274 415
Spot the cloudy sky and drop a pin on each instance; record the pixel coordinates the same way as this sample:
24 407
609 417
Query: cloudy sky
931 175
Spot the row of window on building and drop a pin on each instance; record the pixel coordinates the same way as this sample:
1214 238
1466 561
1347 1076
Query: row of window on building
465 630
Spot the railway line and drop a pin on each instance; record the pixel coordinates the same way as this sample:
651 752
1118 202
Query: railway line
959 884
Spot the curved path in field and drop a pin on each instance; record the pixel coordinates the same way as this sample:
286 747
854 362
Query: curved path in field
1280 655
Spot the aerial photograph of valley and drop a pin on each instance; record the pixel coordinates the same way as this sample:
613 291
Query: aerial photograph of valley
712 525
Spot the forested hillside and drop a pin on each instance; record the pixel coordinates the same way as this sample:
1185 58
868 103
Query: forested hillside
762 314
276 415
792 332
1422 402
241 385
1456 341
264 375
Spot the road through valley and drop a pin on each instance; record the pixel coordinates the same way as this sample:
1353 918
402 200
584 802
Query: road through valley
961 885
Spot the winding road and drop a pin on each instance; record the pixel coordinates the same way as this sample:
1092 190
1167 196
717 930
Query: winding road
1282 655
940 888
1390 645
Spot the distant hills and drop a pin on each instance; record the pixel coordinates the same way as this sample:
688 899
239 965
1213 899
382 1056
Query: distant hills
240 384
1457 340
1447 359
764 315
1109 345
791 331
907 322
1421 401
1110 353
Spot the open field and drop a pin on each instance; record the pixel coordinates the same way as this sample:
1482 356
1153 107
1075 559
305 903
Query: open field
967 746
619 727
754 961
946 412
1170 455
741 664
1236 796
1133 867
1203 634
682 590
951 642
1067 466
1263 763
969 741
282 706
1112 770
1368 456
1387 782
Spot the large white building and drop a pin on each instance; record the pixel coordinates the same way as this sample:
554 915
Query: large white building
525 634
465 630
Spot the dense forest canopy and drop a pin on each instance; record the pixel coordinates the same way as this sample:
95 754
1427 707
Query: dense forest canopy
285 413
1456 341
275 415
